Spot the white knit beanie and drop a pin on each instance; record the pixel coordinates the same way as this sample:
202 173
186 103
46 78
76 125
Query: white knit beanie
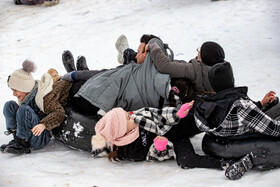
21 79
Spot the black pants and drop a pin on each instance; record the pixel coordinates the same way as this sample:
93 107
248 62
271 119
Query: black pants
186 157
80 104
185 128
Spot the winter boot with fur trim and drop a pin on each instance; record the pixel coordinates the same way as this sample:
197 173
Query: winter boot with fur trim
19 146
237 170
68 61
121 45
81 63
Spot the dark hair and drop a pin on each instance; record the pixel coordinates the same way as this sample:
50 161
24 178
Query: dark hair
185 88
146 38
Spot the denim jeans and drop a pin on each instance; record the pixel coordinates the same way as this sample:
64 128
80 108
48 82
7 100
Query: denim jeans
23 119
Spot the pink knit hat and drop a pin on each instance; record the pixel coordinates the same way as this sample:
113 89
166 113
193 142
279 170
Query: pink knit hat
112 128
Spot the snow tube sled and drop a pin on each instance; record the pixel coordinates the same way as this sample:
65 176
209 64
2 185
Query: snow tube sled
266 150
76 130
28 2
17 2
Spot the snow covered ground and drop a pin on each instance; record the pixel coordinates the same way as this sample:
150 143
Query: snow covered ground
248 30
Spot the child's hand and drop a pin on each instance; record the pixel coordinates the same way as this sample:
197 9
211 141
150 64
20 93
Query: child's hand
184 110
268 98
38 129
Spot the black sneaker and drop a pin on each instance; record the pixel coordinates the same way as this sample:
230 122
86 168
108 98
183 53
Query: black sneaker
68 61
129 56
237 170
19 146
81 63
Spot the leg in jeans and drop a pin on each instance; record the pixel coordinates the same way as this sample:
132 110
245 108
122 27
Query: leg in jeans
27 119
10 111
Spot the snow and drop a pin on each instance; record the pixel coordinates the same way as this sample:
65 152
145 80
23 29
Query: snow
247 30
78 129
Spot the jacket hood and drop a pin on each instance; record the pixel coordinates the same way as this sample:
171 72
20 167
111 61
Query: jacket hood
228 93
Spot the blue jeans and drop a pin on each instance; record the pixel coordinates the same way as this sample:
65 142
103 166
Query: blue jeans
23 118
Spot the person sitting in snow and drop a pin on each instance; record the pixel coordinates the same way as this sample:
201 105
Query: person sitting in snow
38 111
121 128
231 113
142 135
36 2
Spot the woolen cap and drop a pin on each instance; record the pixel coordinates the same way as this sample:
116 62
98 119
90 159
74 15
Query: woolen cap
211 53
112 128
221 76
22 79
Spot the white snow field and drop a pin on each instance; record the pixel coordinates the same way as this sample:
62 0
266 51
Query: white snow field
248 30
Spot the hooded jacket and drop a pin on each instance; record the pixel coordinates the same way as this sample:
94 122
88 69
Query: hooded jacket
132 87
231 113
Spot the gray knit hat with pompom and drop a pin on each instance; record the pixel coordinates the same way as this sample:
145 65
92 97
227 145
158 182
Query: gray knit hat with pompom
21 79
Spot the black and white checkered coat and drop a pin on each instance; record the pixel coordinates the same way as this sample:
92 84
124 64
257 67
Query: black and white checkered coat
158 121
242 117
166 154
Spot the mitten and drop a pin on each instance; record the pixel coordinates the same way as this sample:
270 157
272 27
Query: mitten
160 143
184 110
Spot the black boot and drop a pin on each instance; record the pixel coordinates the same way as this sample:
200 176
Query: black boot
68 61
3 146
237 170
81 63
19 146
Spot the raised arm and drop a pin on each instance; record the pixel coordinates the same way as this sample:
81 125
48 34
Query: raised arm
174 69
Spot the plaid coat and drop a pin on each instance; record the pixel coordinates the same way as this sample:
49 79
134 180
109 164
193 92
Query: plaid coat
232 113
158 121
154 122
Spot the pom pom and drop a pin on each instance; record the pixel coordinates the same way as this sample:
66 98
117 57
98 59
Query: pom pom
98 142
28 66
